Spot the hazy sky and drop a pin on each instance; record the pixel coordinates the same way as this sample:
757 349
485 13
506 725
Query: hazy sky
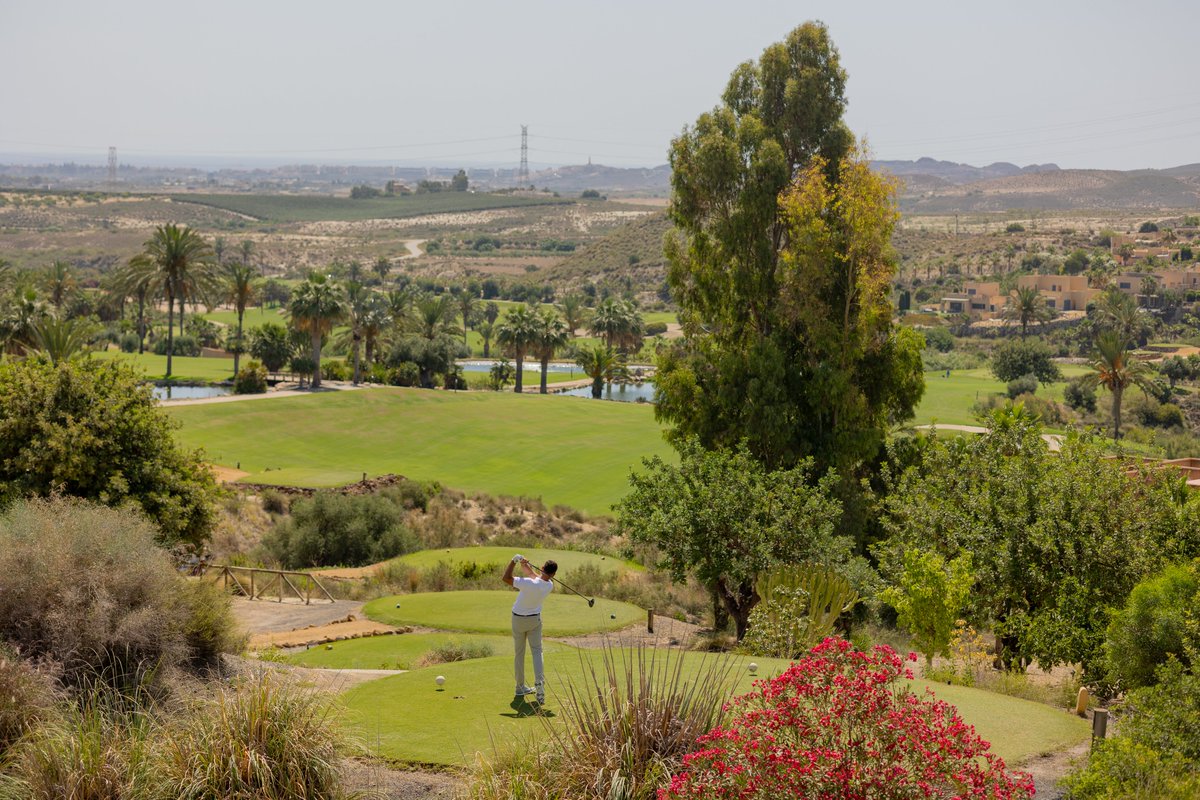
1083 84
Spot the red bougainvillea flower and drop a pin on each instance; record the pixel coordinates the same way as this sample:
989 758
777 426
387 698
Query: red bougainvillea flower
840 723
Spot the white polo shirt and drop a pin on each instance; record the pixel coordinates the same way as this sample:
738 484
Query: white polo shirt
531 593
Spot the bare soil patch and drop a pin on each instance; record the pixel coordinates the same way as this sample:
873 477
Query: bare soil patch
226 474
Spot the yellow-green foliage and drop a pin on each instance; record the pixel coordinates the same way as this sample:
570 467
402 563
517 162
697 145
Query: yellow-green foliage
798 609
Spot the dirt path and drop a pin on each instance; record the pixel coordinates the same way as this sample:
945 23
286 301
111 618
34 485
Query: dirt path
1049 769
414 248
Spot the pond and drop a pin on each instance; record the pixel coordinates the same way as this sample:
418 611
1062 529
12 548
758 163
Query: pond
190 392
622 392
528 366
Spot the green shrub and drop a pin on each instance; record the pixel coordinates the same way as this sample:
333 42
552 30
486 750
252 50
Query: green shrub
1079 395
655 328
407 373
209 627
180 346
340 530
1014 227
128 342
1026 384
939 339
86 587
251 379
453 651
1016 358
335 371
1154 625
412 494
90 428
274 502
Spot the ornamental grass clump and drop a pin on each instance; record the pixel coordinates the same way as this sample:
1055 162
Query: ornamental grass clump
840 723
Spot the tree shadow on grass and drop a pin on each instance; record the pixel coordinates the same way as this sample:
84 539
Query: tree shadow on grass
523 709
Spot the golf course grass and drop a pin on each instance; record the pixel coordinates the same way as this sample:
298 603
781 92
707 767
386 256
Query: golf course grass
491 612
399 652
949 400
497 557
183 368
574 453
407 718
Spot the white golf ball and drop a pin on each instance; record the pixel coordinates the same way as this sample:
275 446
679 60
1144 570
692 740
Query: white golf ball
439 680
753 667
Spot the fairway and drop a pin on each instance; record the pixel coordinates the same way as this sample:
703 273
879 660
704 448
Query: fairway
949 400
406 718
498 557
183 368
398 652
491 612
574 453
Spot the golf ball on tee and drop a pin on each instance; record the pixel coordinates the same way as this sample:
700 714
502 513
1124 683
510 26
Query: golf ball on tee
439 680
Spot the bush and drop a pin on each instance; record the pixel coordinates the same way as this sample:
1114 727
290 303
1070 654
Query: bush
180 346
258 739
271 344
128 342
618 734
406 373
1156 752
1017 358
453 651
274 502
1014 227
1079 395
655 328
1153 626
340 530
1148 227
87 588
90 428
842 723
939 339
26 699
335 371
1026 384
251 379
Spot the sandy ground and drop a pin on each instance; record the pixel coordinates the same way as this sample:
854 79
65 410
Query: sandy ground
1052 439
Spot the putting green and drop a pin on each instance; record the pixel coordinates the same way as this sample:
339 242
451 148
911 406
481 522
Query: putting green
407 718
398 652
491 612
498 557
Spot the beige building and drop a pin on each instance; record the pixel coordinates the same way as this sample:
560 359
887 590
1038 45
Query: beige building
984 300
1062 292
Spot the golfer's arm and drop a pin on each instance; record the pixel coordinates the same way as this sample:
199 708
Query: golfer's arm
508 576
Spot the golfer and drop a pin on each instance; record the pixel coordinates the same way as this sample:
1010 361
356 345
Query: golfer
527 621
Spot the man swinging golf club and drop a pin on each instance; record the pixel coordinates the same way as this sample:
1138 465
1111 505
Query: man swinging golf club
527 621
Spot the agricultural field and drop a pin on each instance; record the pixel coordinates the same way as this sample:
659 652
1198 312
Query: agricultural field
316 208
567 450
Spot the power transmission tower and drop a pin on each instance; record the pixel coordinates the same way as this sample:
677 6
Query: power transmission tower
523 172
112 167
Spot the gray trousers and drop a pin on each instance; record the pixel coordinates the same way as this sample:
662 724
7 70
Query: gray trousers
527 629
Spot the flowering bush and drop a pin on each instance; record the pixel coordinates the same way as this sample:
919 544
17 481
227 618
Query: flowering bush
840 724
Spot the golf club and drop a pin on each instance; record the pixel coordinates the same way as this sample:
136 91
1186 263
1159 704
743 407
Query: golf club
590 600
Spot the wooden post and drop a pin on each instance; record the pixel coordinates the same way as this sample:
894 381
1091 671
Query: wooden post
649 620
252 584
1099 725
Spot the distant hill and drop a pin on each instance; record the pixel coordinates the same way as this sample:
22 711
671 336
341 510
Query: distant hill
640 180
633 250
952 172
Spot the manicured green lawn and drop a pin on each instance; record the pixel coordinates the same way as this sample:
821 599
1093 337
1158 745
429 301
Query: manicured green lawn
573 453
251 319
183 368
568 560
407 718
949 400
491 612
397 652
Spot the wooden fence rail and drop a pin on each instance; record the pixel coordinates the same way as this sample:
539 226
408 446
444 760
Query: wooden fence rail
255 583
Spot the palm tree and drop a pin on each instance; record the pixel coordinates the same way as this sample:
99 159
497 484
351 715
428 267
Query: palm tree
574 312
601 365
467 304
1118 312
431 316
316 306
376 320
1026 305
136 283
219 250
358 308
381 268
618 323
486 330
517 332
23 313
60 284
177 264
247 251
551 334
399 302
1116 371
59 340
241 286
